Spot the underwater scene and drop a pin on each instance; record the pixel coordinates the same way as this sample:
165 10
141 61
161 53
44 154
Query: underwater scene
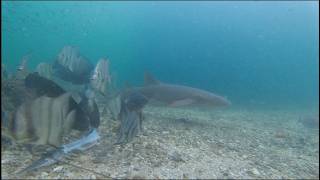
160 90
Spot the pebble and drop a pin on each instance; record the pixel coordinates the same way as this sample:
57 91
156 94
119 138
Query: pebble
254 171
244 156
185 176
58 169
93 176
69 174
148 146
165 132
138 176
175 156
97 160
44 174
4 161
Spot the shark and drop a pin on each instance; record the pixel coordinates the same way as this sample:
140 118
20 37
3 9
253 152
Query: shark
174 95
134 99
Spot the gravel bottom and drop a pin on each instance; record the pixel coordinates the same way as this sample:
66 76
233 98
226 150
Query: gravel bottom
181 143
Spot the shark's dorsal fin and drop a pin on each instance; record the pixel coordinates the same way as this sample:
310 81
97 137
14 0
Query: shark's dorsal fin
150 80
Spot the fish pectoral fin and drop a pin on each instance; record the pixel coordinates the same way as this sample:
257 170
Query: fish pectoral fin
182 102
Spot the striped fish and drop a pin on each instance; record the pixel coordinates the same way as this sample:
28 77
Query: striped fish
101 76
130 116
45 70
51 114
71 66
44 120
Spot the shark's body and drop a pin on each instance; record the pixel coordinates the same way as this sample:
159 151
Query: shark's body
178 95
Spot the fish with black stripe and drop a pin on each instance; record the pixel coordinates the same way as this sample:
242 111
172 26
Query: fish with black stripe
51 115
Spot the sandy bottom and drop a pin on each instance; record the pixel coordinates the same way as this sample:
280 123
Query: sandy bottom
179 143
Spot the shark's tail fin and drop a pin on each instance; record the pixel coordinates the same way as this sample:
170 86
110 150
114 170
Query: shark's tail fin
150 80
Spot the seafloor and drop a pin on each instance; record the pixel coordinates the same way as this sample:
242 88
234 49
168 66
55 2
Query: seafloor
179 143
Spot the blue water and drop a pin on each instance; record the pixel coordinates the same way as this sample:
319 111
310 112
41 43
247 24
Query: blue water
255 53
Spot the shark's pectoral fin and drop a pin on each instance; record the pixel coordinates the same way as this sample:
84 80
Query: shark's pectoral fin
182 102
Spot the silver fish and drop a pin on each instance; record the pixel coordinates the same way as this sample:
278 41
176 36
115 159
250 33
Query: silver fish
84 143
48 159
52 157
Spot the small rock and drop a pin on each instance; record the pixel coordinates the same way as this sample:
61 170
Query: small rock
69 174
254 171
58 169
244 156
44 174
148 146
165 132
139 176
175 156
4 161
185 176
93 176
225 174
97 160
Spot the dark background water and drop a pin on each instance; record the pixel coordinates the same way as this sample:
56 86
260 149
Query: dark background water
258 53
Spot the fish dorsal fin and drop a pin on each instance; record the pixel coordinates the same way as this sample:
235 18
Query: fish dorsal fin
150 80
